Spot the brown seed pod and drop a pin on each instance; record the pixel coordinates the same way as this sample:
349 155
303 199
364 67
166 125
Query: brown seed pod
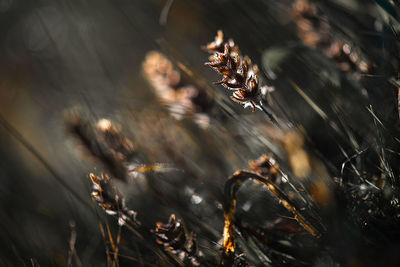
238 72
172 236
183 99
105 142
110 200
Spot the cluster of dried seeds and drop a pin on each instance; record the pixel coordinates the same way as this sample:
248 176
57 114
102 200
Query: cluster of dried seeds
314 30
183 99
106 143
238 72
172 236
107 197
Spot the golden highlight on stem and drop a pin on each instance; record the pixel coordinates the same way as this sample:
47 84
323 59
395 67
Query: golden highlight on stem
228 238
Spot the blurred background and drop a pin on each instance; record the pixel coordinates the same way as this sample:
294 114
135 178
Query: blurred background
67 56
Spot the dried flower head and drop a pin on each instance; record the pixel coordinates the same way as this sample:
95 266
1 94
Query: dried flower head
105 142
107 197
183 99
314 29
265 166
172 236
118 144
238 72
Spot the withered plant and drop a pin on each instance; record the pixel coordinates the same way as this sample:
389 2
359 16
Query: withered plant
239 74
264 171
182 98
324 192
314 29
108 198
105 143
173 238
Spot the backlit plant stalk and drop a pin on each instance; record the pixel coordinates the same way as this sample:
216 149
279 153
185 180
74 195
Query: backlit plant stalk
264 171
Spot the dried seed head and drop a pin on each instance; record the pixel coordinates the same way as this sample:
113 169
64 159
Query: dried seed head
172 236
181 98
238 73
105 142
159 70
264 166
314 29
117 143
107 197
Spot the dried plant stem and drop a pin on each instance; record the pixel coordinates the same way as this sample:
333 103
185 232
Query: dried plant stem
103 234
72 250
270 116
231 188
